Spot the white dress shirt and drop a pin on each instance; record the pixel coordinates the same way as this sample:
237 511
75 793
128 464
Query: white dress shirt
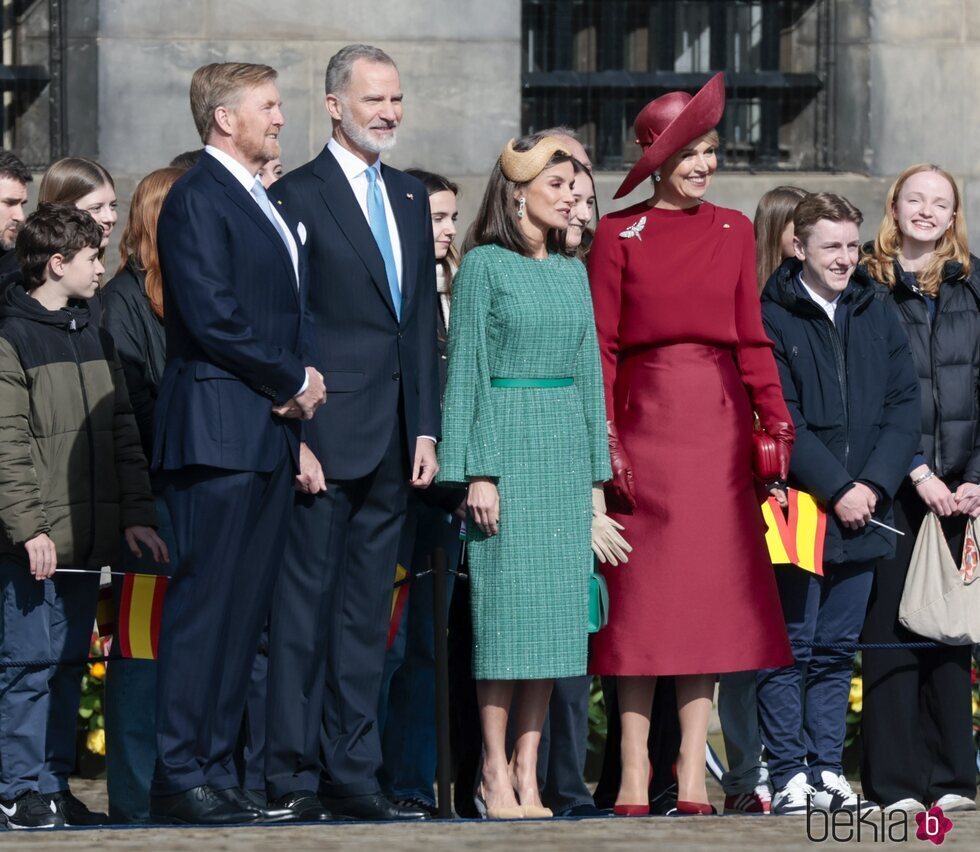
355 170
247 180
829 308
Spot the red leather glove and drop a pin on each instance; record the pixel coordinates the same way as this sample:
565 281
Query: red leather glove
784 434
620 487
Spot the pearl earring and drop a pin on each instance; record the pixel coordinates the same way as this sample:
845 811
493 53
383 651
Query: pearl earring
521 204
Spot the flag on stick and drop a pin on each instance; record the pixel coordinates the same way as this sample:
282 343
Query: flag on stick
796 536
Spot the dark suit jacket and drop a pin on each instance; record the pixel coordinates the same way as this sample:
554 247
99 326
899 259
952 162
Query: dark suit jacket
234 324
373 365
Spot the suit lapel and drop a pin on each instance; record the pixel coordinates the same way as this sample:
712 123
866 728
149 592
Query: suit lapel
404 210
245 202
339 197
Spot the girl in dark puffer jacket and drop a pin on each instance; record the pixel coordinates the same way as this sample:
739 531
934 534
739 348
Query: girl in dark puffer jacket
922 698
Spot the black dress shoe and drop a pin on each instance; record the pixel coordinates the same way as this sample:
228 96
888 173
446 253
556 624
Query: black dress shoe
413 803
238 798
373 806
199 806
302 806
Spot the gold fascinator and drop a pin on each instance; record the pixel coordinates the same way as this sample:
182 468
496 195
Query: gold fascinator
525 166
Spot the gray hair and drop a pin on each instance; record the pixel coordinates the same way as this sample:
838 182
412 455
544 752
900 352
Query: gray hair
342 62
560 130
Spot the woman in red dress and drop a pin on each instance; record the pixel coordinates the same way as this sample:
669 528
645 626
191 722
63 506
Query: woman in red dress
685 363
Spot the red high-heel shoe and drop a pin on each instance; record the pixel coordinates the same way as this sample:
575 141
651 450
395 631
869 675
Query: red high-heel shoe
636 810
692 809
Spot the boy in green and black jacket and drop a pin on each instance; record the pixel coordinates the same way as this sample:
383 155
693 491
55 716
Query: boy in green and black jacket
72 477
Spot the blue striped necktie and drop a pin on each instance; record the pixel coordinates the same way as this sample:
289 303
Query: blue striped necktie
379 227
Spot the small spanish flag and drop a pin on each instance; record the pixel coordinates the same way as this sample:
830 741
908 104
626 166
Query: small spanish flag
398 601
796 537
140 614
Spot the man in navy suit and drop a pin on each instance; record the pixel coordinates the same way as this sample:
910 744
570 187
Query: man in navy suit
372 300
227 434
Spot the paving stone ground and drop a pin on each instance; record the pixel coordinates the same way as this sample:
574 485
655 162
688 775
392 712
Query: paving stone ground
717 834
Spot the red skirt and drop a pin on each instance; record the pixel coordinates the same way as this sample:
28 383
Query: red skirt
698 595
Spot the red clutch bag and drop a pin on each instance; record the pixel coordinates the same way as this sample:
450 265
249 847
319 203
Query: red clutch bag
765 457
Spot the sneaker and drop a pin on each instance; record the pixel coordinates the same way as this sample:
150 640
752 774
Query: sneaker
905 806
74 811
833 793
756 803
953 802
30 810
792 799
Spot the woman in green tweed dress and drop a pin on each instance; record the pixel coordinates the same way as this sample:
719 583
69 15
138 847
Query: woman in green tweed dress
524 428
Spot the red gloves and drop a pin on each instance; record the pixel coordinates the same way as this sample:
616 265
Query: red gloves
620 487
784 434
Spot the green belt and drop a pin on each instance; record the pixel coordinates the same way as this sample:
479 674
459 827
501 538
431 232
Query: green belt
562 382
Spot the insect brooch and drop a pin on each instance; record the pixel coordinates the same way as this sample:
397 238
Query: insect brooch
634 229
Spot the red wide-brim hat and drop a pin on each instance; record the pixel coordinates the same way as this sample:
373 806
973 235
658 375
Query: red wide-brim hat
666 124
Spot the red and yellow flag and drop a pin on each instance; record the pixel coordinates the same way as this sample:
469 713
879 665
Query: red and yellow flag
797 536
398 601
140 614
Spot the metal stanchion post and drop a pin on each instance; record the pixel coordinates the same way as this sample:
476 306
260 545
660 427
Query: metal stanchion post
440 628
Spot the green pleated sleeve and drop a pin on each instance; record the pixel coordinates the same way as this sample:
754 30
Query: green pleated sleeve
469 440
588 377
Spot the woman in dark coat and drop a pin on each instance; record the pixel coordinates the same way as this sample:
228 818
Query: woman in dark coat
921 698
132 312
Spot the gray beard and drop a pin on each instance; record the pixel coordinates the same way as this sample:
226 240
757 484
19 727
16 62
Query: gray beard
363 138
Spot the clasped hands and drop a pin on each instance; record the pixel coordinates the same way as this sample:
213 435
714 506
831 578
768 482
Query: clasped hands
937 496
304 405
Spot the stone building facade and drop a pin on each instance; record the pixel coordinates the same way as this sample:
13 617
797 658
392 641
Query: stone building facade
900 75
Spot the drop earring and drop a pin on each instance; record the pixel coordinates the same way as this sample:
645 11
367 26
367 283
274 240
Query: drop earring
521 204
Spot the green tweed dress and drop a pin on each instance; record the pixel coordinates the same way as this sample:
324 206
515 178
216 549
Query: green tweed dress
519 318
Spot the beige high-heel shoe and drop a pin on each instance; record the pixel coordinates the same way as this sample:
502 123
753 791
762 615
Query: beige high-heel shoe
536 812
486 812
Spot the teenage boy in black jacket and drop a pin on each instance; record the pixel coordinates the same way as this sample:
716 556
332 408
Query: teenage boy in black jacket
851 387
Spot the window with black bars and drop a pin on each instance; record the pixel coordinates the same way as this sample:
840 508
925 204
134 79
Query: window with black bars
594 64
31 79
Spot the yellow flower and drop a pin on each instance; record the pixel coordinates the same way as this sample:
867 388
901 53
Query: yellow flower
97 670
857 693
856 706
976 706
95 741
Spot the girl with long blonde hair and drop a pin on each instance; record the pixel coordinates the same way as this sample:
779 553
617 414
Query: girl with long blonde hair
922 261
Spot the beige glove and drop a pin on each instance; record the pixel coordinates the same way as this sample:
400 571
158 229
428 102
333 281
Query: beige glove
607 543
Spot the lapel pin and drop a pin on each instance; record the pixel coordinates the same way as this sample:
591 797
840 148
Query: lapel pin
409 196
726 225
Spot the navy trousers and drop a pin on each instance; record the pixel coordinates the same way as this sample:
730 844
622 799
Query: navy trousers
328 630
50 619
130 702
230 530
564 745
803 707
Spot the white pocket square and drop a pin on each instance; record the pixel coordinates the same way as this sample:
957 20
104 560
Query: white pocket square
301 230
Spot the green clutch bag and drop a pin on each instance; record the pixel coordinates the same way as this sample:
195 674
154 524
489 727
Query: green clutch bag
598 601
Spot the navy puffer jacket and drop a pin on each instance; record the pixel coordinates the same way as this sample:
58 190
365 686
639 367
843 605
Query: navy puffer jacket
854 399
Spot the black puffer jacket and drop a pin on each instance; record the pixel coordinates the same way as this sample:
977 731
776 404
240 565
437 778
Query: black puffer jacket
947 358
854 402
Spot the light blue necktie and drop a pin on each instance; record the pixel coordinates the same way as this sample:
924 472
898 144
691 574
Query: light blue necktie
260 195
379 227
